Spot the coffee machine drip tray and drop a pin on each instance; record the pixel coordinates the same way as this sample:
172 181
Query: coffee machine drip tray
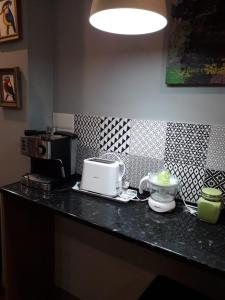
38 181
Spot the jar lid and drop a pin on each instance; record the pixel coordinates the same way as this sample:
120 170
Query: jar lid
211 194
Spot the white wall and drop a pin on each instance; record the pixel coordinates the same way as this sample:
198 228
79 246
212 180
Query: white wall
13 122
41 56
33 54
105 74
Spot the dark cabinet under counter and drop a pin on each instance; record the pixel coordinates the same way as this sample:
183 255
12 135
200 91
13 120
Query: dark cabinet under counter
28 222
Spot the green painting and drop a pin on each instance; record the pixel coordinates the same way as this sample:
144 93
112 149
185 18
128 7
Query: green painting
196 54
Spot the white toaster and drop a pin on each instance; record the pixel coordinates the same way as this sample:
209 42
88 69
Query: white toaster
102 176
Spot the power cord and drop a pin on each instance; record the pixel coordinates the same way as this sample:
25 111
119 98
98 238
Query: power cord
134 195
191 209
140 200
130 195
118 158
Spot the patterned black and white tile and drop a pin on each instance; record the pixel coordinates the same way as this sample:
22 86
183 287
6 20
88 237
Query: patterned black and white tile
115 134
187 143
191 180
216 152
117 156
148 138
140 166
84 152
215 179
88 130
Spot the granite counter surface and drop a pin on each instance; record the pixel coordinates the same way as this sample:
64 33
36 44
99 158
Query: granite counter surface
177 234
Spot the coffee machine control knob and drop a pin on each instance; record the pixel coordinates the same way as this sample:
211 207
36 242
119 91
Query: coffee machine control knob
41 150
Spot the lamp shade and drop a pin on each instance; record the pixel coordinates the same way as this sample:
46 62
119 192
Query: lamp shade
128 16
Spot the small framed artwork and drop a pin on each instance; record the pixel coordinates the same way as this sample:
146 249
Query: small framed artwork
9 88
9 23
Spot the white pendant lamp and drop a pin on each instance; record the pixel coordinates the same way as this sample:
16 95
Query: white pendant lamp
129 17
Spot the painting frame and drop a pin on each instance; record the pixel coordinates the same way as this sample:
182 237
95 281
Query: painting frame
10 88
196 49
10 20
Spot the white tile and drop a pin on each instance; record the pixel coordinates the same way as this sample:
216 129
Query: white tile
191 180
140 166
215 179
63 121
148 138
88 130
83 153
187 143
115 134
117 156
216 152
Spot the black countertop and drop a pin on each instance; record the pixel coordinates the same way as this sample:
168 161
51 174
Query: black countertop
178 234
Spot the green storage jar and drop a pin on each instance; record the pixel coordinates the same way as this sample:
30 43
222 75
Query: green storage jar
209 205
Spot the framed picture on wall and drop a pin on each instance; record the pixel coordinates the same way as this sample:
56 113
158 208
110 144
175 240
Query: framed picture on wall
196 54
9 20
9 88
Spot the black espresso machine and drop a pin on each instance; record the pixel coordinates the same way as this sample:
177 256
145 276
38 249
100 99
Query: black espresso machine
52 156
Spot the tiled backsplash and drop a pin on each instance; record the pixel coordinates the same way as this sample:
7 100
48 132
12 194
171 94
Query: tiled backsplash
195 153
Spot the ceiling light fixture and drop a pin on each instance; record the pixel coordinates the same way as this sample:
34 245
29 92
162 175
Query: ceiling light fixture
129 17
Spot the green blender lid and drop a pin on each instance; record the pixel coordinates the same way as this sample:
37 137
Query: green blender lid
164 179
211 194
